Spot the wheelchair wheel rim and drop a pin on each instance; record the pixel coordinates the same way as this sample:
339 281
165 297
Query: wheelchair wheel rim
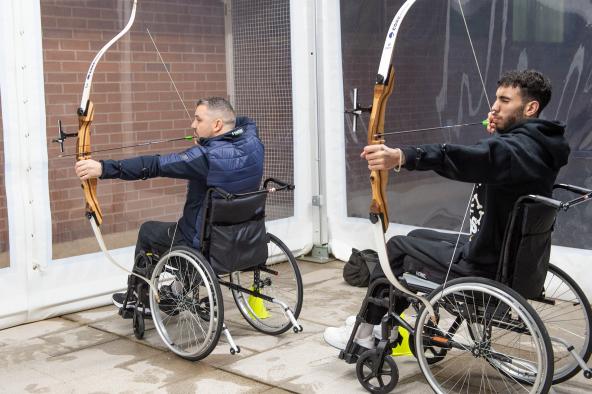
485 352
568 319
186 333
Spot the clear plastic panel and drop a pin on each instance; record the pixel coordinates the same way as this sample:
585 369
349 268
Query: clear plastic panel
437 83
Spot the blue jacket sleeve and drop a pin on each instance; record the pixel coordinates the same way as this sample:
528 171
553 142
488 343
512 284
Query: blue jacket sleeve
190 164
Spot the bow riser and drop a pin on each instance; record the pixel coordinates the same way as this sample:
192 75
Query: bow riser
379 179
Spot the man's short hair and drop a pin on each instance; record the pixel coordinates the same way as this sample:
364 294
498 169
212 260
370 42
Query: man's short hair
533 85
221 107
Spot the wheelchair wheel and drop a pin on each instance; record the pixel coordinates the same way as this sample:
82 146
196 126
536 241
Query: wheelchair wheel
190 314
376 377
279 279
494 340
432 354
566 313
138 324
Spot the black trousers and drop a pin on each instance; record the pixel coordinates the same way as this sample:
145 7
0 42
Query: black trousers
425 253
158 237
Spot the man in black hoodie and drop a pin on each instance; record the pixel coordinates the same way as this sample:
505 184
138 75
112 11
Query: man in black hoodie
522 157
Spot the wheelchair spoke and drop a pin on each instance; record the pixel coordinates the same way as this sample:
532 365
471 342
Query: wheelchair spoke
280 280
493 343
189 315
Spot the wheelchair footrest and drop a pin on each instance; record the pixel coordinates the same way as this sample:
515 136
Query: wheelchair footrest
352 354
129 313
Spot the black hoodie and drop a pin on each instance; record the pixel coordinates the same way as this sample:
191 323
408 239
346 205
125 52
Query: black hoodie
525 159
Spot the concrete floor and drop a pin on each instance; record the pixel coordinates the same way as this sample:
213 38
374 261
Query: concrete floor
95 351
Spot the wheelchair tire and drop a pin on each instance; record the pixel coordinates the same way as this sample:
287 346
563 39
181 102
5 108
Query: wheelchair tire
189 290
284 284
382 380
499 339
566 313
138 324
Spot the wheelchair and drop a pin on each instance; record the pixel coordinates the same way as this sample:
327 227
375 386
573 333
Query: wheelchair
524 331
237 253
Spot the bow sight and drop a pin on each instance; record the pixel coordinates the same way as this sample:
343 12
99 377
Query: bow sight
62 136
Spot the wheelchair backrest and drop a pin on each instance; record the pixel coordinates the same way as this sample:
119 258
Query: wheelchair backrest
233 236
527 247
236 210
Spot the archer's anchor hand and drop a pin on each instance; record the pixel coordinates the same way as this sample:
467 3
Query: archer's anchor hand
88 169
381 157
490 125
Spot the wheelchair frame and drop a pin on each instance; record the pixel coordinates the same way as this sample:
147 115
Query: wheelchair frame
378 373
189 316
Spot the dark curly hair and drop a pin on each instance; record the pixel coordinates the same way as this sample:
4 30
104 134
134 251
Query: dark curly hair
533 85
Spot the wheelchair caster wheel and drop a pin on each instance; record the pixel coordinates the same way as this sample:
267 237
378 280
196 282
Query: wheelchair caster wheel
588 374
138 324
374 375
296 329
233 352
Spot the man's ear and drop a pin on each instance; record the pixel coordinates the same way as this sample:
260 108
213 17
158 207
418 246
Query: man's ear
218 125
531 109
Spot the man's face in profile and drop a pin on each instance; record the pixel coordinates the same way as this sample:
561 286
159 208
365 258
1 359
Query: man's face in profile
509 107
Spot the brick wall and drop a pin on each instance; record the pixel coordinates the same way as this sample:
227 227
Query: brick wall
134 102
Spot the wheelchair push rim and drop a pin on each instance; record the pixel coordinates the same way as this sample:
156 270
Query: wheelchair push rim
190 314
279 280
566 313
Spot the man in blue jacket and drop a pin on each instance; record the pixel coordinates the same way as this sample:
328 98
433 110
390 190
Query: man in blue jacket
228 155
522 157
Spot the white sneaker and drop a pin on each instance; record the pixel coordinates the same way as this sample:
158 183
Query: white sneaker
338 336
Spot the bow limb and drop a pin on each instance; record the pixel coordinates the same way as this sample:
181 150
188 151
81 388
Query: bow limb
83 149
85 117
385 82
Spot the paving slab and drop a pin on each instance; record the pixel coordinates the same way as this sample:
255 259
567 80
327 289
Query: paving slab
79 338
311 365
28 331
217 382
106 358
331 302
92 315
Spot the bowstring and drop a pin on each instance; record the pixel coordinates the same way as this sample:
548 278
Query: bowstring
462 13
184 107
169 74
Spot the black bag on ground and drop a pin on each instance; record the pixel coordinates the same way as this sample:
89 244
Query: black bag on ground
356 271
